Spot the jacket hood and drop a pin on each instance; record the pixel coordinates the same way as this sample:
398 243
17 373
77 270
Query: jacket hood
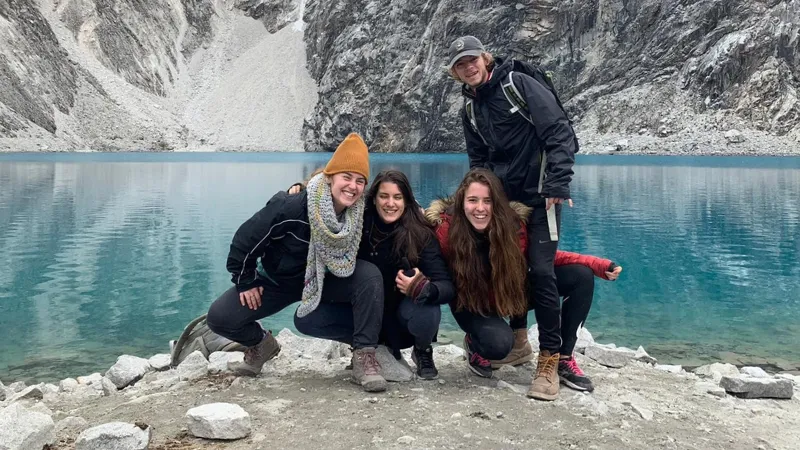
444 207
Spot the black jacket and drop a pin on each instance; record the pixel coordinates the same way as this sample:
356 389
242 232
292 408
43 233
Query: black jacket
514 147
278 234
431 263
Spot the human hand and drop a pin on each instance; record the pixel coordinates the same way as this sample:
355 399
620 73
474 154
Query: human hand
403 282
296 188
554 201
251 297
614 274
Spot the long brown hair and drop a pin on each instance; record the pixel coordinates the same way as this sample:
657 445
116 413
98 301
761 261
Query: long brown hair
507 264
413 232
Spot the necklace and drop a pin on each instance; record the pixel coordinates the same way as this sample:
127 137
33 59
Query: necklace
376 237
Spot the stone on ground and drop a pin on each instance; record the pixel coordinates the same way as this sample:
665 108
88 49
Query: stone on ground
750 387
68 384
21 429
160 362
755 372
90 379
219 421
717 370
219 362
194 366
610 357
127 370
115 435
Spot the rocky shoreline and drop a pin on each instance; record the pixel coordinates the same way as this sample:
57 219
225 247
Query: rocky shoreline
303 399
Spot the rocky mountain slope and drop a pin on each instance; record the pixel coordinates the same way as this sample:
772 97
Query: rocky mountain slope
638 75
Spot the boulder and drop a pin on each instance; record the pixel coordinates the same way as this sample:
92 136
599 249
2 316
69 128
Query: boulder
21 429
585 339
391 368
89 379
127 370
448 354
219 362
4 392
160 362
17 386
310 348
115 435
755 372
669 368
717 370
71 425
193 367
704 387
734 136
31 392
68 384
641 355
750 387
610 357
218 421
108 386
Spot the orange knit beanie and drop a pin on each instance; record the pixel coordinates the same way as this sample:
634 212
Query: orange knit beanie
350 156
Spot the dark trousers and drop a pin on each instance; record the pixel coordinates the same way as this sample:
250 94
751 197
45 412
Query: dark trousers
542 278
492 337
359 299
410 324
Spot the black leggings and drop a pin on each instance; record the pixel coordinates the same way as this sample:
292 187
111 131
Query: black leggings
492 337
360 296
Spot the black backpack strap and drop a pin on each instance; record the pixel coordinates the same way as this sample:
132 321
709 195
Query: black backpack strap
514 97
469 108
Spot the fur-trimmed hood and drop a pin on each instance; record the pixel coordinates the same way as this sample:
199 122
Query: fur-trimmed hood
444 207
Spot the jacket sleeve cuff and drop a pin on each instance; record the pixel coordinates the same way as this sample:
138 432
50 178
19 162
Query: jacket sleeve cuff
247 286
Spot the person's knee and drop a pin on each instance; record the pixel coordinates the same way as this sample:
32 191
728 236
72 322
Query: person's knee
217 319
497 345
369 282
423 318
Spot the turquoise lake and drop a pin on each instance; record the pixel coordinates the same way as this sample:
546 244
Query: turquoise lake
107 254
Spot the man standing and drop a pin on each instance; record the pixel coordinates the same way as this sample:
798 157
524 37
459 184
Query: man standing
515 126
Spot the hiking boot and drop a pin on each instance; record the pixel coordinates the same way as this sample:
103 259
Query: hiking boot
423 358
479 365
367 370
545 383
572 376
520 353
257 355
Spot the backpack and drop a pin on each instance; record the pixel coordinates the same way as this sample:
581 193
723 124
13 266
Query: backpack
197 336
518 103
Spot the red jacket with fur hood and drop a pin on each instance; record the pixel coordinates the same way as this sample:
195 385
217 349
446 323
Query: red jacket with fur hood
440 215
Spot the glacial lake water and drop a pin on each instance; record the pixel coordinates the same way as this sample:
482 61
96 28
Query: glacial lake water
108 254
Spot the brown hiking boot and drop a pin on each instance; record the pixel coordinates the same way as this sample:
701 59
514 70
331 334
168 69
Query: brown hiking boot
367 370
520 353
257 355
545 383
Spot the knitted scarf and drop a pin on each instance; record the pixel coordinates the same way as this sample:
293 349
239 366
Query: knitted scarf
333 246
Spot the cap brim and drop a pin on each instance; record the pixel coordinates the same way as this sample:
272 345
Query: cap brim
463 54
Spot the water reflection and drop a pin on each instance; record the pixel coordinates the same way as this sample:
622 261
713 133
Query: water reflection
105 258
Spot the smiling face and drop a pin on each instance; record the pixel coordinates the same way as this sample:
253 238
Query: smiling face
472 70
478 206
346 189
389 202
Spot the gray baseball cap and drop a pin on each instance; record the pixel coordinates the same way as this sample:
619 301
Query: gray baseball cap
464 46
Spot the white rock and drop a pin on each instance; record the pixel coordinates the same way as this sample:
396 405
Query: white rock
749 387
41 408
71 425
219 362
533 336
31 392
512 387
21 429
669 368
585 339
448 354
160 362
114 435
218 421
17 386
717 370
610 357
49 388
407 440
311 348
194 366
89 379
108 386
755 372
68 384
734 136
643 412
704 387
127 370
4 392
641 355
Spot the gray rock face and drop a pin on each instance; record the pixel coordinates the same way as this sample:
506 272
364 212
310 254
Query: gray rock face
32 392
127 370
17 386
21 429
749 387
379 65
114 435
68 384
218 421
